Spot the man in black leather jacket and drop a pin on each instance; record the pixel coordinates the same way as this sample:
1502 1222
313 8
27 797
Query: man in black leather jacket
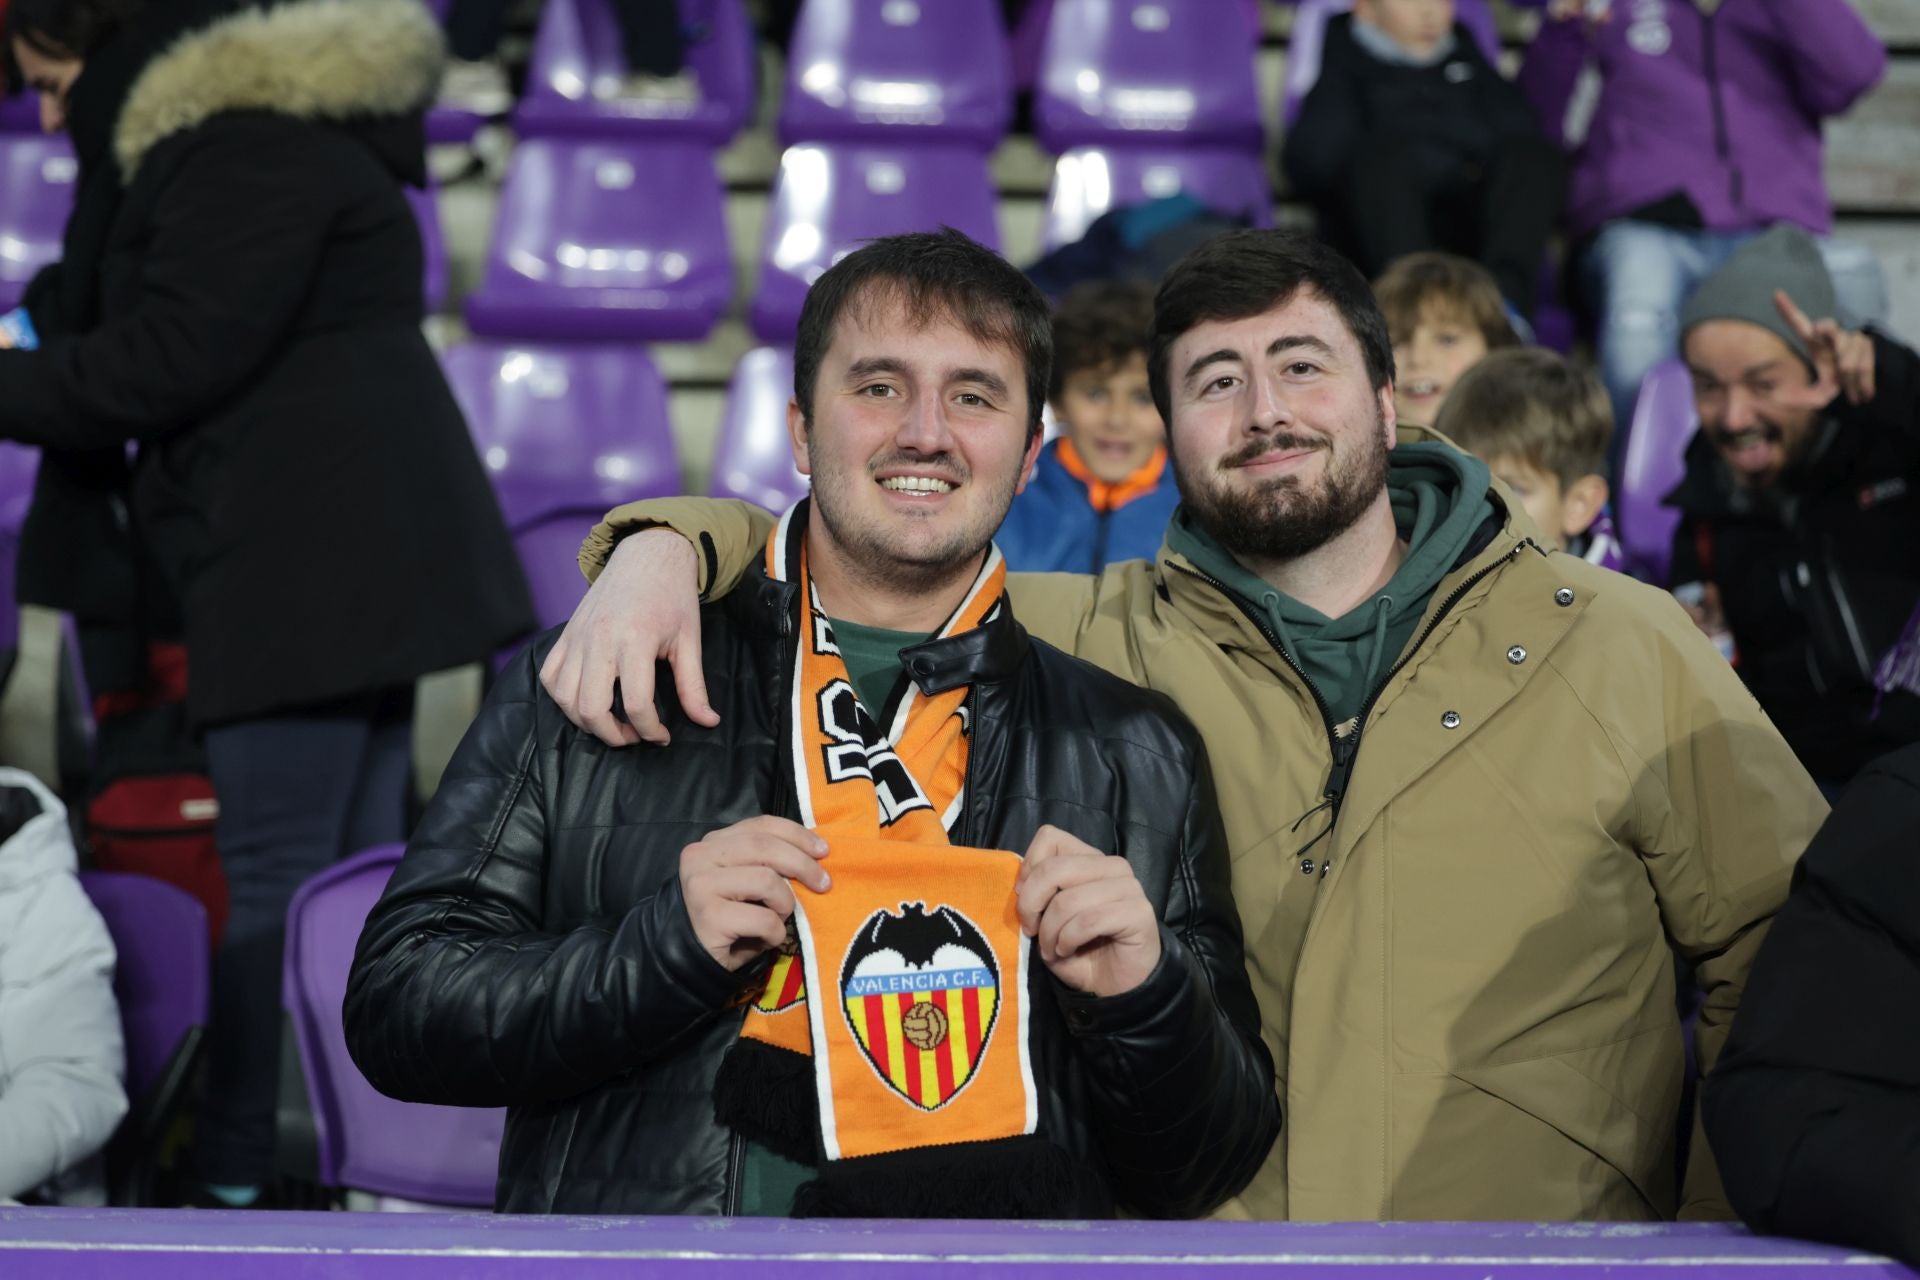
575 932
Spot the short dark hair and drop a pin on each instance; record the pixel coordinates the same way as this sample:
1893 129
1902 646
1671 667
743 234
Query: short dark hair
1534 406
934 275
1423 285
64 28
1100 324
1246 273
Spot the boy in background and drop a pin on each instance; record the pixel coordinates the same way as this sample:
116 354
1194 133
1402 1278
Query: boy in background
1542 423
1444 314
1103 490
1410 139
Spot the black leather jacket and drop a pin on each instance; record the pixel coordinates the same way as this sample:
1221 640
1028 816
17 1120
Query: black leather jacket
533 949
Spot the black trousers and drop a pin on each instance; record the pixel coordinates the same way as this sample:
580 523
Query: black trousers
650 32
1402 197
297 793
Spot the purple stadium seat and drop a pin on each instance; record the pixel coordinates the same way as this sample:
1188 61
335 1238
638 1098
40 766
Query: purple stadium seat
1114 70
1088 181
369 1142
754 459
426 210
549 551
606 241
828 199
20 113
862 69
162 981
1310 34
1652 465
560 427
36 194
573 82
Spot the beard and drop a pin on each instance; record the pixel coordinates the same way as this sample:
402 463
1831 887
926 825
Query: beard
878 551
1282 519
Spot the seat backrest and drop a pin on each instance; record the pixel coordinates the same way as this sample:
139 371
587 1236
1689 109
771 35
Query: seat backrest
20 113
549 550
1088 181
37 174
829 198
1309 36
164 972
367 1141
1651 465
578 66
561 426
871 68
606 241
1128 70
754 457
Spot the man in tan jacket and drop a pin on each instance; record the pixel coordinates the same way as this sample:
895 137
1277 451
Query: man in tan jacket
1478 794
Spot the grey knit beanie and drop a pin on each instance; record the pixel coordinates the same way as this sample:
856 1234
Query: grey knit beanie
1784 257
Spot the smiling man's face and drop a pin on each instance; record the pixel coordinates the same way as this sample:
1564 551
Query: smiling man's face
1746 384
1279 439
919 441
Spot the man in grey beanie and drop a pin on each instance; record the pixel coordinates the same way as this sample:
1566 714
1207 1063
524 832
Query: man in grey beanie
1801 502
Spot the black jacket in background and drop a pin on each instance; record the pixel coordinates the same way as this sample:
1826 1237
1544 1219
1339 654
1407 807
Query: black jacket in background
1814 1107
242 299
1456 112
533 950
1819 577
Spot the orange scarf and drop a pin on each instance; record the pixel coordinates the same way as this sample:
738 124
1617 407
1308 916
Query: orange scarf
923 1040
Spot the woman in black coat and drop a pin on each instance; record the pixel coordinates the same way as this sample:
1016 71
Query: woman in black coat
239 299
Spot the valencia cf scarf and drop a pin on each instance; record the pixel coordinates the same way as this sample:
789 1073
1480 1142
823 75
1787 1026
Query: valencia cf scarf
890 1046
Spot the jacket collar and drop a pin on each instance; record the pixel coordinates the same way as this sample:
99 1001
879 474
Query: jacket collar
330 60
992 651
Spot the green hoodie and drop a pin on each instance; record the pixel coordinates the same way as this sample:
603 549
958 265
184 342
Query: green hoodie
1440 498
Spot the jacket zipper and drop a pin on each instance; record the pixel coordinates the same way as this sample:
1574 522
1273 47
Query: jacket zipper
1723 144
736 1173
1101 527
1346 753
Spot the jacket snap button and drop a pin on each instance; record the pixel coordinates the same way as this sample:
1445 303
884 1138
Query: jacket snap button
1451 720
1563 597
1516 655
1080 1020
1307 867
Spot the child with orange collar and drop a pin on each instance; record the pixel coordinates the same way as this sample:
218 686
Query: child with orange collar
1103 490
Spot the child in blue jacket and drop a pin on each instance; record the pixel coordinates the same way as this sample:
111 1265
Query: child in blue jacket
1103 490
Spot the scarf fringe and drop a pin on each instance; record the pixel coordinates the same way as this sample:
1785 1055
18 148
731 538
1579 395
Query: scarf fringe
1027 1177
766 1093
1899 669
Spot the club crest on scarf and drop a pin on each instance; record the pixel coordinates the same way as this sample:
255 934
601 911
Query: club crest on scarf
920 990
786 981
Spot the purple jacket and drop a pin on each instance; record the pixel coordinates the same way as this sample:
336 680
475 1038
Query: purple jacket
1725 109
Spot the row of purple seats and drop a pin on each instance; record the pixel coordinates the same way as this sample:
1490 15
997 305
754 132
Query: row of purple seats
37 174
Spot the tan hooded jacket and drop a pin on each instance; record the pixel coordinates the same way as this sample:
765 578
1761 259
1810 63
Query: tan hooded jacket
1468 984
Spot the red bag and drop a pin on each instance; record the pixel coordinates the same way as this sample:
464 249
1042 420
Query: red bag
154 811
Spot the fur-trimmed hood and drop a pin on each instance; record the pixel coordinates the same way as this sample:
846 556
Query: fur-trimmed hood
332 60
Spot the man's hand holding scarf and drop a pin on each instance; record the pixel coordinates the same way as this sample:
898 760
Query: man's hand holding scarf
735 885
1096 931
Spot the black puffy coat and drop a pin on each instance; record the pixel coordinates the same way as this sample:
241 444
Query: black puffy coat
1819 576
533 949
240 294
1456 112
1814 1106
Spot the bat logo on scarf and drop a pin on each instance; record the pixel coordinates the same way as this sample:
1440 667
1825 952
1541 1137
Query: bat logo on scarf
920 990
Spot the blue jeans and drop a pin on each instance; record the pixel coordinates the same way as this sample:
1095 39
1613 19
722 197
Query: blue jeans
297 793
1637 275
